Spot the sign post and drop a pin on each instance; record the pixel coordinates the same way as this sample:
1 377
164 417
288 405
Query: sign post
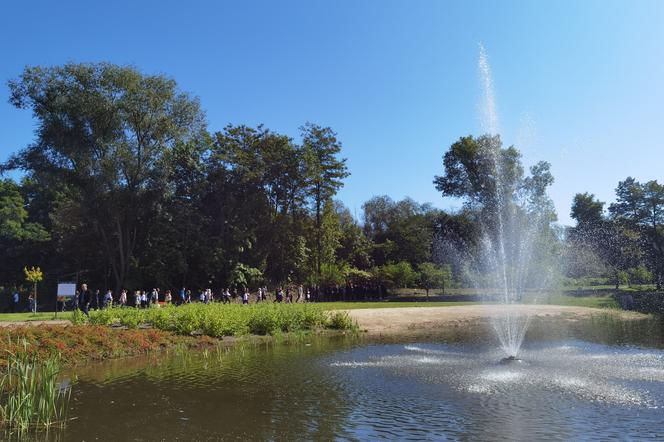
65 290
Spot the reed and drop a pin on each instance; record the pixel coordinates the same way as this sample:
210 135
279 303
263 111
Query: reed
31 395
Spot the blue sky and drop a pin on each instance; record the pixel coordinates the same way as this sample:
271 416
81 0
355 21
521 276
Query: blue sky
578 83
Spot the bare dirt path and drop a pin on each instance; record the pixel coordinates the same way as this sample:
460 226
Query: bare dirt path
413 319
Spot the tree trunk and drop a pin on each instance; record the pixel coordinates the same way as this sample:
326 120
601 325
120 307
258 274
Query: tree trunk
318 234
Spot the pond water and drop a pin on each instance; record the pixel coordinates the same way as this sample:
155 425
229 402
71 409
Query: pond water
590 379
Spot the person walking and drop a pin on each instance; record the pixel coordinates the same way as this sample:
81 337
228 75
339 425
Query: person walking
137 298
245 297
168 298
183 295
144 299
154 298
108 299
86 298
259 295
123 299
97 299
15 300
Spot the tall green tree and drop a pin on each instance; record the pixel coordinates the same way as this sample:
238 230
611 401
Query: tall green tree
107 132
587 210
20 238
325 173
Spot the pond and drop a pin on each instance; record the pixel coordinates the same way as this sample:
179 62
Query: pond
599 378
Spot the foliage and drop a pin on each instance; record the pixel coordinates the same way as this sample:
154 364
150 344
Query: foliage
432 276
124 186
33 274
86 343
244 276
397 275
340 320
105 139
217 320
31 396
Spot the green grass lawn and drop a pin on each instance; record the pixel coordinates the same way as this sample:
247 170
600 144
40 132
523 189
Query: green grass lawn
587 301
39 316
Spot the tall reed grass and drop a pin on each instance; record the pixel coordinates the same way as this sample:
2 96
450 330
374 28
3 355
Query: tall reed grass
31 394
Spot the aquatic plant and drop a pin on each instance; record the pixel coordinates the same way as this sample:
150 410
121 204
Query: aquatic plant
31 395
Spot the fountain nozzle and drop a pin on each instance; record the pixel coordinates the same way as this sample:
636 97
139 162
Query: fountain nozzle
510 360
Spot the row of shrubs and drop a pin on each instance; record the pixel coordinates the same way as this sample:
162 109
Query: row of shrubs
219 320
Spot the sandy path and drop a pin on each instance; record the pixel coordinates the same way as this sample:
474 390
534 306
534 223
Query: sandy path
413 319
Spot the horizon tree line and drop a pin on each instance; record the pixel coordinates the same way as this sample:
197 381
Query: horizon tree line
125 186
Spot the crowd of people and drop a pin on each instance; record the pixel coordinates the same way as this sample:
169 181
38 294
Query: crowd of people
85 299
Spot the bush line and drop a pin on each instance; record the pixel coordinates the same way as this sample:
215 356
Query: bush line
217 320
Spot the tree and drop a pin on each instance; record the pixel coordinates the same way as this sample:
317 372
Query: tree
20 238
34 276
481 172
587 210
400 231
324 172
513 210
396 275
354 247
244 276
431 276
106 131
639 213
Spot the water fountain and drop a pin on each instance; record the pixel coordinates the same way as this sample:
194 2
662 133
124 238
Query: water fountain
510 228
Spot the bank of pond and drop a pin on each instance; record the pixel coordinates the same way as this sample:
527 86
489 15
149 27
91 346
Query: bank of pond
31 357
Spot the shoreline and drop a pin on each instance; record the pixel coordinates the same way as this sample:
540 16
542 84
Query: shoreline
416 320
82 344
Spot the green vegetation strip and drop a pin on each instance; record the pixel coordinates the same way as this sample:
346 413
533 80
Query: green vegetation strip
217 320
129 316
31 396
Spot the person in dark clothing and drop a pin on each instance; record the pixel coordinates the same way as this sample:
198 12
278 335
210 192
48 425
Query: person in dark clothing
97 299
86 298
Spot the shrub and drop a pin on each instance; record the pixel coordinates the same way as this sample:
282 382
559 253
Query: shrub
78 317
217 320
340 321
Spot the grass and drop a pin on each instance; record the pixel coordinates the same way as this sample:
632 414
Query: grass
31 397
39 316
586 301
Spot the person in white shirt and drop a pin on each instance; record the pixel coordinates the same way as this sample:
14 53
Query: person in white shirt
123 298
108 299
